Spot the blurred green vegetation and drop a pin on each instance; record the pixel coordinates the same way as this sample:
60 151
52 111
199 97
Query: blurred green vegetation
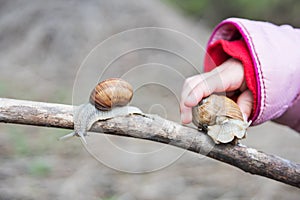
214 11
34 142
39 168
19 142
3 88
109 198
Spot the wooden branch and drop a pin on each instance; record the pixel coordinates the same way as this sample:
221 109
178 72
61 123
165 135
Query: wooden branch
155 128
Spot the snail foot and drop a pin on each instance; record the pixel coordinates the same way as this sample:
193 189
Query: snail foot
72 134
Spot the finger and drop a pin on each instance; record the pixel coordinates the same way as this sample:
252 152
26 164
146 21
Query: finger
191 82
245 102
185 112
213 83
188 85
227 77
199 84
186 115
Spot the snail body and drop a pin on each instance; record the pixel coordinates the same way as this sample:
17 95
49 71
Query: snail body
107 100
221 118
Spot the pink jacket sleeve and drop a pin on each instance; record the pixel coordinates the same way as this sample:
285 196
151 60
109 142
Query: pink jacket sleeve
275 53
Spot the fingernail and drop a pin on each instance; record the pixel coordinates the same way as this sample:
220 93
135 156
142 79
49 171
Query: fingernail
245 117
183 117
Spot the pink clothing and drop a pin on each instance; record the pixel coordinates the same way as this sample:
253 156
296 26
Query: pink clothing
275 53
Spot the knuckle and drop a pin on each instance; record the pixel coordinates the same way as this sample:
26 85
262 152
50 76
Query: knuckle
187 81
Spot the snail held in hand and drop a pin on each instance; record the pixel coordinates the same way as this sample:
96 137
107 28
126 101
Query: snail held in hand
107 100
221 118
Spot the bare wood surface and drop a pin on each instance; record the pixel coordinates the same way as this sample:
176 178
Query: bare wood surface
155 128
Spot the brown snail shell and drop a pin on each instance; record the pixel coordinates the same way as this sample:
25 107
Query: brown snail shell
206 112
221 117
111 93
107 100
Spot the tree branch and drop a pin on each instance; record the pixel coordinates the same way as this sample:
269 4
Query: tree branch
155 128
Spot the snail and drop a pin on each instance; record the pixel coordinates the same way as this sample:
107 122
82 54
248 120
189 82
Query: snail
221 118
107 100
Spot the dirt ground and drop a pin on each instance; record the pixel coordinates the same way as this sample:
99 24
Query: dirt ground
46 55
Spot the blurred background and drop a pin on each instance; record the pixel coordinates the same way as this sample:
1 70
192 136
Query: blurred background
42 46
213 11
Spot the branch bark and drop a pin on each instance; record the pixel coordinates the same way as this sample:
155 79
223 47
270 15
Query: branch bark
155 128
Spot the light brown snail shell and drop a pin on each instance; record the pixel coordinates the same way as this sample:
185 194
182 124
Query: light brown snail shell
107 100
221 118
206 112
111 93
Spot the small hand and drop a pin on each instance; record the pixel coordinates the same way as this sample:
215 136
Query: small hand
228 77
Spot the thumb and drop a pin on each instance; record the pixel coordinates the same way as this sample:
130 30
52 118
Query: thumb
245 102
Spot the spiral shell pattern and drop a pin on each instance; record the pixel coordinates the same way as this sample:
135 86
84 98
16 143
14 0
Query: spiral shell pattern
111 93
207 111
221 118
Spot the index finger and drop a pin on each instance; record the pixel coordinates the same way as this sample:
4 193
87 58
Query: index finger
227 77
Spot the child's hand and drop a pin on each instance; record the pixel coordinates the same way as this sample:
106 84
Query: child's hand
228 77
